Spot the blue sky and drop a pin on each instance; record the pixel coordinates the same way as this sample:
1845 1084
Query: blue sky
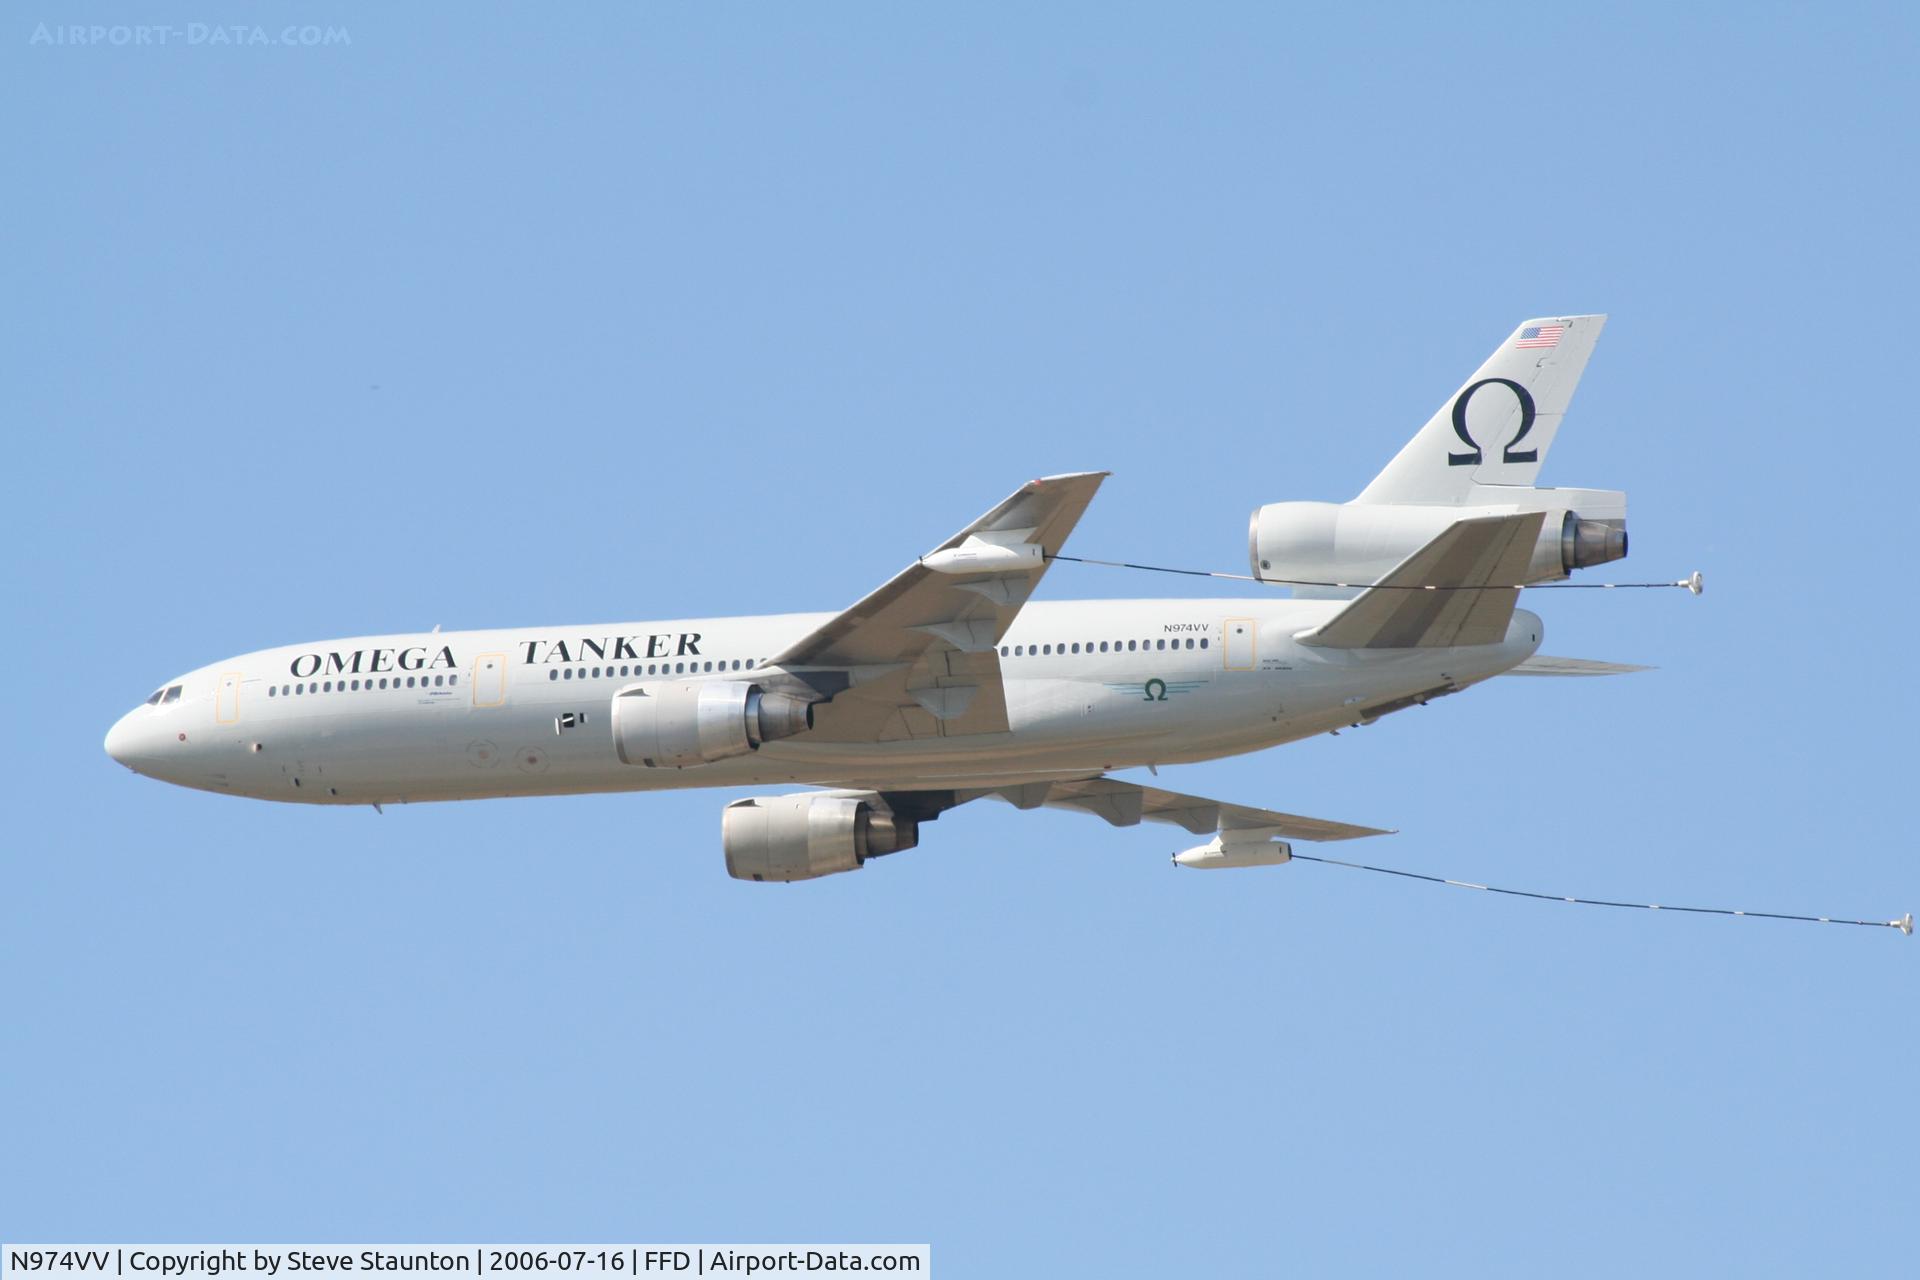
501 316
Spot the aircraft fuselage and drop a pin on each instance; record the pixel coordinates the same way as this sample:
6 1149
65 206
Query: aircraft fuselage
1091 686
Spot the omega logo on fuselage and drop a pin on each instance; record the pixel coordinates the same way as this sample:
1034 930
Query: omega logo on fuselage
685 644
371 661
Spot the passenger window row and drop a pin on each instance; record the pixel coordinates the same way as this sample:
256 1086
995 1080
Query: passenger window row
1129 646
358 686
652 668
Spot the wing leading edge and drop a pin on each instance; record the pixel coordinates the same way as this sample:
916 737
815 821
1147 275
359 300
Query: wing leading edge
922 651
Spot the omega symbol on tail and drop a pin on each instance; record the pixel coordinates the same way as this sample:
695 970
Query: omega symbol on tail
1510 453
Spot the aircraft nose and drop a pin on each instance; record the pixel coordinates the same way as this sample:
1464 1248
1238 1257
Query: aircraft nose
127 741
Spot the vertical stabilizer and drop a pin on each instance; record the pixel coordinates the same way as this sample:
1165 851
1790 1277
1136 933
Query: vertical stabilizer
1496 429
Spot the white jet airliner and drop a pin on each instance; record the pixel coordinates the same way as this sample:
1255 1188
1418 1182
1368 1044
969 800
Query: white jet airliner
947 684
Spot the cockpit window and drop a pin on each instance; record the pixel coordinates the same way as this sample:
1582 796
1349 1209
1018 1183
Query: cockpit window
172 694
154 701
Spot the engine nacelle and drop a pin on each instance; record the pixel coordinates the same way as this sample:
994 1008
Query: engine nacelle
1357 543
689 722
806 836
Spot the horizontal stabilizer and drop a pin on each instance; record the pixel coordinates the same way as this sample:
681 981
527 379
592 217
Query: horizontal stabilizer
1542 665
1457 590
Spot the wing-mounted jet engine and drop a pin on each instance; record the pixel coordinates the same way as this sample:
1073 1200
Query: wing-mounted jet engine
813 834
692 722
1479 455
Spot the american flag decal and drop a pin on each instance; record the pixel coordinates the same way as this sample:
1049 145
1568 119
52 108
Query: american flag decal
1540 335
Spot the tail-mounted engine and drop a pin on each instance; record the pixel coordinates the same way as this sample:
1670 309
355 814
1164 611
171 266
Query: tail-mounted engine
1357 543
689 722
806 836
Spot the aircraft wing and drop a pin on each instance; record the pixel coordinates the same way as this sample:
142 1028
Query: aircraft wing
1125 804
1459 589
922 651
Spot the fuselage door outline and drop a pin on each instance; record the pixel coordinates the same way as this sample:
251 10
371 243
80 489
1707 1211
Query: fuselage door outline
1237 653
489 679
226 700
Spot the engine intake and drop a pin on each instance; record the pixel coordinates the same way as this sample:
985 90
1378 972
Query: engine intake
690 722
803 837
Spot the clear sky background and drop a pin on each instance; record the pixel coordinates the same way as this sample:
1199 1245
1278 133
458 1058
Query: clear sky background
545 314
